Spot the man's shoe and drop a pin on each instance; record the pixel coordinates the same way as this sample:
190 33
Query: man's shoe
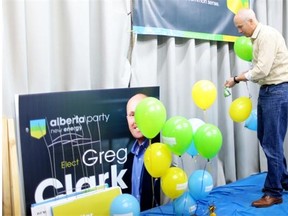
267 201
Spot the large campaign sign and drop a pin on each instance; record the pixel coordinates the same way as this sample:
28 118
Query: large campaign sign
71 141
201 19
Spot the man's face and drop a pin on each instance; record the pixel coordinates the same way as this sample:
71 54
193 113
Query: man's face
244 26
131 107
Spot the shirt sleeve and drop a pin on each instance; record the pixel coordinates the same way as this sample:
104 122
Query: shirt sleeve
248 75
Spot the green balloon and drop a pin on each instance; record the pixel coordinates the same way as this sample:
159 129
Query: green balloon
208 140
150 116
177 133
243 48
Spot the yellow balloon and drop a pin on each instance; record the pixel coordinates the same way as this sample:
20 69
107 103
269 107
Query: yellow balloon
240 109
204 94
157 159
174 182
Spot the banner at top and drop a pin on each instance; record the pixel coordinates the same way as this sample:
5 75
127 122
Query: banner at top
200 19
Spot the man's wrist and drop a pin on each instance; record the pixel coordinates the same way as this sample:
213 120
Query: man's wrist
235 80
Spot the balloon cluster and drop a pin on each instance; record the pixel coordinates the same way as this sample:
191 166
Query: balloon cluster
207 139
200 184
179 135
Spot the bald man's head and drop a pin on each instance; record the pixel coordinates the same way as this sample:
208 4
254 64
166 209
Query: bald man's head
245 14
130 109
245 21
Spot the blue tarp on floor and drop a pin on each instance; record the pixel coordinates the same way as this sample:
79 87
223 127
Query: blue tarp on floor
233 199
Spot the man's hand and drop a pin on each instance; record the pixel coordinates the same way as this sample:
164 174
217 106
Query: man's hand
230 82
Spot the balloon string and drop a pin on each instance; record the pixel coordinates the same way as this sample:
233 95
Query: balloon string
209 169
201 189
205 167
154 198
153 191
182 162
205 116
153 183
195 158
250 96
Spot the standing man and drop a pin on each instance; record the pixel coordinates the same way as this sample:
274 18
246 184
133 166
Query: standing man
270 71
140 184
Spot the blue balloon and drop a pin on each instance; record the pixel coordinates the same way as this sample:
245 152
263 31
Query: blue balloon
192 150
200 184
185 205
125 204
251 122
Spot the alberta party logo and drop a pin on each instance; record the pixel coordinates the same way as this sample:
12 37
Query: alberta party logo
38 128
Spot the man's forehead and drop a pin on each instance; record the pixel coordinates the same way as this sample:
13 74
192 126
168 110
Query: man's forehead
239 22
132 106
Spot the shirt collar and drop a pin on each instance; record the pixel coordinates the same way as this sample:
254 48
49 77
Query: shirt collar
139 149
256 31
